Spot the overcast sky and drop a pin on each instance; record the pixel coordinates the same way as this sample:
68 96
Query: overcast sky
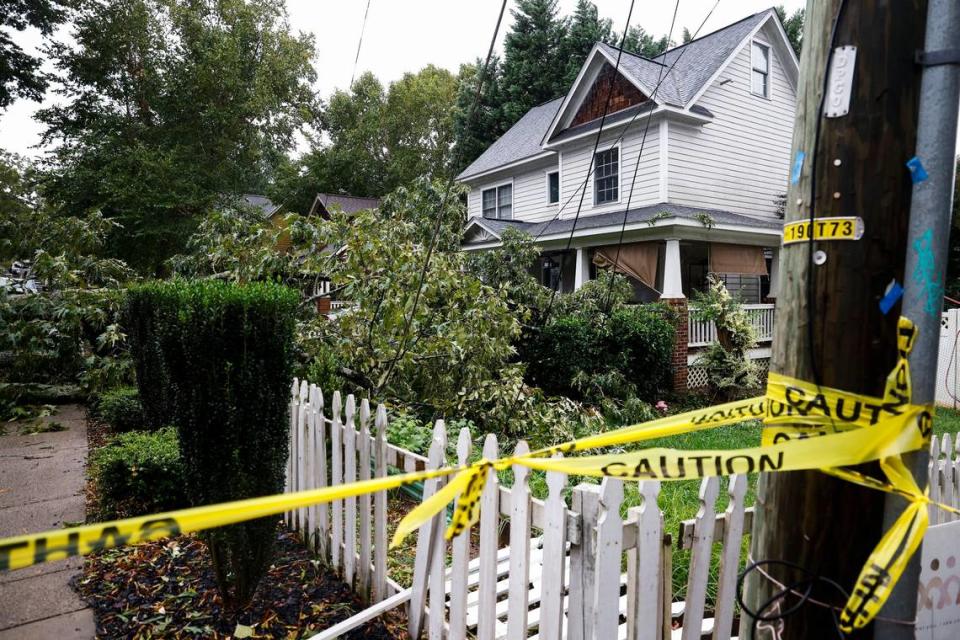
408 35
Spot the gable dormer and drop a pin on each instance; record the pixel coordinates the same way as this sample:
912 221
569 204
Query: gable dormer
585 100
623 95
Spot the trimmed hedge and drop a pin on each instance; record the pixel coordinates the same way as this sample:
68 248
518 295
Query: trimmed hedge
138 473
218 358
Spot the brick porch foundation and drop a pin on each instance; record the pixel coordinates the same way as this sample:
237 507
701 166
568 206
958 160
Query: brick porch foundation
680 347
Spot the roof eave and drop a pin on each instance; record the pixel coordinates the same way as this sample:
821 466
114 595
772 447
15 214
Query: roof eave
486 172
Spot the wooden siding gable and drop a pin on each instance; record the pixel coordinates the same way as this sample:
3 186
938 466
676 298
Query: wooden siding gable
609 82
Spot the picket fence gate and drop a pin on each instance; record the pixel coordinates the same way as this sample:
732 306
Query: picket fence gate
541 569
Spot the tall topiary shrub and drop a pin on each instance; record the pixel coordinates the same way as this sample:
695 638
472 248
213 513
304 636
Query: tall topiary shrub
225 353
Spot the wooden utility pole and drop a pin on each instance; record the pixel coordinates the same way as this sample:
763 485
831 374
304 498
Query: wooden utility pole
826 525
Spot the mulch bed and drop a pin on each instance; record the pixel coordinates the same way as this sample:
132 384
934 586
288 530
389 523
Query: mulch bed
166 589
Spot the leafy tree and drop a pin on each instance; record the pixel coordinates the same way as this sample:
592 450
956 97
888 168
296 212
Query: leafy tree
419 125
67 330
20 74
375 139
793 25
172 104
583 30
533 67
687 36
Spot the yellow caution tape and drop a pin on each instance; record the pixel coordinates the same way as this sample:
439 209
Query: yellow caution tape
850 429
832 228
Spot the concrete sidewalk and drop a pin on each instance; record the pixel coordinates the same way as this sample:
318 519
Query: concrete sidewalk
41 487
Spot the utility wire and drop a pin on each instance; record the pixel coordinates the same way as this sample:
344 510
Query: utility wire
643 140
401 349
363 28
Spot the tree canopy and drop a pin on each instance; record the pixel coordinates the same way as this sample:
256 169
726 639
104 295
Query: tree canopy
20 73
170 106
372 139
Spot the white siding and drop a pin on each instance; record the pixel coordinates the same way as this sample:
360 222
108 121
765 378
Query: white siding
576 161
529 191
740 161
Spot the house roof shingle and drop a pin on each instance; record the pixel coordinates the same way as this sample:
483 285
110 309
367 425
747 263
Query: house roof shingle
261 202
522 140
693 64
347 204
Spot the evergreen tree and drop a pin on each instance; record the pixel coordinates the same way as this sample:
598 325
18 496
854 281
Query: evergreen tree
584 29
474 134
173 106
533 68
687 36
640 42
793 26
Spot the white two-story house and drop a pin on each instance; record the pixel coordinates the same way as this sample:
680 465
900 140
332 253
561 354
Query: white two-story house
693 158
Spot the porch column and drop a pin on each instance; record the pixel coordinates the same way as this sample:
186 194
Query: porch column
582 270
672 280
774 273
673 296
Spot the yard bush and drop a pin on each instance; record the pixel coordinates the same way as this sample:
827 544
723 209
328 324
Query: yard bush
226 352
120 408
594 356
138 473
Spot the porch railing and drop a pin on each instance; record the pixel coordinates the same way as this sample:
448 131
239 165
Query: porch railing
702 332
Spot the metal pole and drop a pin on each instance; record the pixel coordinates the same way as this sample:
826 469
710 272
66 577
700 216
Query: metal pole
925 271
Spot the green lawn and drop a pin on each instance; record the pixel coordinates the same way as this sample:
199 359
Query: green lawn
680 501
946 421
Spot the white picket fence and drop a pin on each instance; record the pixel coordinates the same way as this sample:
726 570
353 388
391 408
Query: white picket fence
944 471
702 332
542 568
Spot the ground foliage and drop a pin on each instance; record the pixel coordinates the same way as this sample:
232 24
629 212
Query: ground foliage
166 589
67 331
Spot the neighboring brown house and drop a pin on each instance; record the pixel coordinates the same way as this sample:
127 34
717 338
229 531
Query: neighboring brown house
325 203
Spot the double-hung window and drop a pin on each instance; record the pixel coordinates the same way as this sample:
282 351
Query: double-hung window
497 203
606 181
553 187
760 74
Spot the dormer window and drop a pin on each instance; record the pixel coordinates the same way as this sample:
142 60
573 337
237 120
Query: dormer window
760 74
497 203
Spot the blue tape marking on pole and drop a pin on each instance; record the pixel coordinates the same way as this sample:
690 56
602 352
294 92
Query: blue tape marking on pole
917 172
797 167
894 293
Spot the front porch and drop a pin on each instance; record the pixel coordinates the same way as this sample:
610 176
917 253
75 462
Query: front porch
666 251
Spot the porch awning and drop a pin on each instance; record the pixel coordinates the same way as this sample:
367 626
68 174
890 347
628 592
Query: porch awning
637 259
733 258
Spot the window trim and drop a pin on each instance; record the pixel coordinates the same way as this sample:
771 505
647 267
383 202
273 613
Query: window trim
619 147
495 186
769 73
546 176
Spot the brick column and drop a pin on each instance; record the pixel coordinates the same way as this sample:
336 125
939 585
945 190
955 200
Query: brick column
323 305
680 347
